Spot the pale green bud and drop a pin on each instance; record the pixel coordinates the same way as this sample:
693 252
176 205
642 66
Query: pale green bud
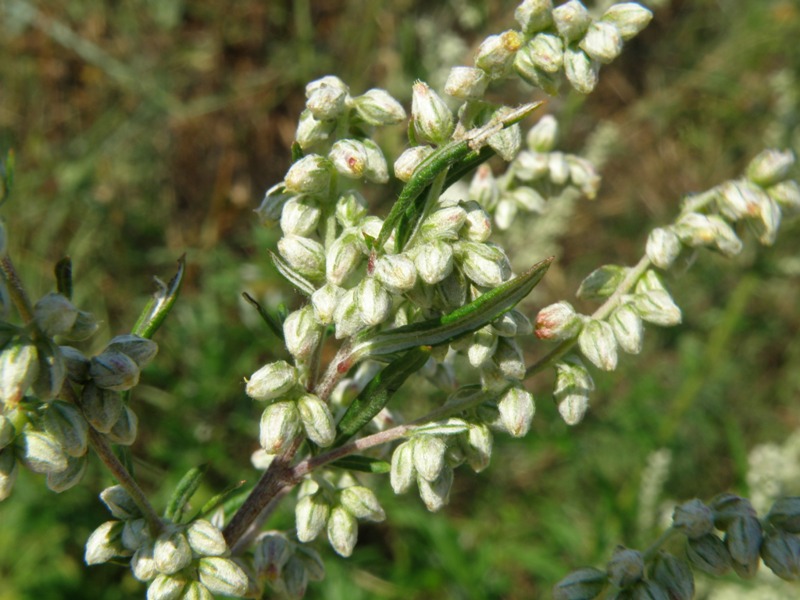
41 452
516 411
300 216
558 321
105 543
19 367
583 584
477 224
8 472
271 381
534 15
506 142
508 358
602 282
7 431
377 107
785 514
434 261
317 420
396 272
483 345
143 566
694 519
69 477
310 175
695 229
709 554
125 429
571 20
351 208
628 17
581 71
347 316
344 256
205 539
54 314
136 535
547 52
542 136
311 131
478 446
270 554
743 538
625 568
342 531
271 206
140 349
76 364
573 385
526 66
483 187
663 247
84 327
311 516
558 168
513 323
674 575
740 199
362 503
781 553
485 264
409 160
628 328
326 102
52 371
787 195
436 494
466 83
114 371
102 408
325 301
602 42
583 175
496 53
374 302
67 425
530 166
196 591
165 587
428 452
432 119
452 294
766 227
376 170
598 344
770 167
280 423
302 333
295 579
171 552
349 157
444 223
657 307
402 472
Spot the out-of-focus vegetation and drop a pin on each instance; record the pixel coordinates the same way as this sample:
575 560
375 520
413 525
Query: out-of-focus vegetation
149 128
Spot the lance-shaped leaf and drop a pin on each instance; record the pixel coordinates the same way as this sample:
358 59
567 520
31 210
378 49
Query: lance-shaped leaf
377 393
185 489
364 464
63 272
292 276
273 322
160 304
218 500
466 319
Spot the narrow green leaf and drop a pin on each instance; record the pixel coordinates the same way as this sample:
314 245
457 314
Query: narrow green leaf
292 276
297 152
377 393
274 323
160 304
184 491
363 464
210 506
63 272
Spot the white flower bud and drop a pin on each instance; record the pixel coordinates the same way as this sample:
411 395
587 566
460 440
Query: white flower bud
663 247
344 256
628 17
114 371
526 66
739 199
196 591
270 210
66 424
310 175
433 121
120 503
485 264
330 82
583 175
165 587
766 228
571 20
349 157
342 531
52 371
444 223
507 142
581 71
558 321
271 381
8 472
478 223
76 364
787 195
143 566
657 307
547 52
598 344
483 345
69 477
377 107
326 102
628 328
409 160
534 15
171 552
351 208
310 131
573 385
102 408
317 420
41 452
396 272
508 358
222 576
483 187
325 301
136 536
7 431
311 516
602 42
280 422
402 472
105 543
496 53
436 494
516 411
362 503
542 136
428 452
54 314
19 367
374 302
558 168
466 83
302 333
531 166
300 216
140 349
478 446
434 261
695 229
347 316
513 323
376 170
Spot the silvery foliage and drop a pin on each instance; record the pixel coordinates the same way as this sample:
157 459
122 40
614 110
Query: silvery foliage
428 290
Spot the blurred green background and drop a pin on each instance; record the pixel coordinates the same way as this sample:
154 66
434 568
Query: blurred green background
144 129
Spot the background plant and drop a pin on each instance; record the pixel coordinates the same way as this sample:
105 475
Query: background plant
698 178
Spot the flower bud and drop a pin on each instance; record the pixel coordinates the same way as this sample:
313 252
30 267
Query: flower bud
54 314
165 587
483 188
8 472
534 15
466 83
351 208
516 411
76 364
547 52
602 42
708 553
171 552
444 223
377 107
485 264
19 367
674 575
598 344
572 389
402 471
347 317
770 167
294 581
781 553
571 20
478 224
317 420
525 65
693 519
628 329
507 141
787 195
530 166
41 452
136 535
271 381
769 219
327 98
374 302
434 261
302 333
105 543
314 567
511 324
52 371
125 428
583 175
102 408
657 307
558 168
344 256
342 531
558 321
270 554
409 160
581 71
743 538
310 175
583 584
737 200
542 136
377 170
436 494
396 272
663 247
496 53
349 158
478 446
310 131
69 477
119 503
280 422
509 360
429 451
432 119
311 516
196 591
785 514
271 206
300 216
222 576
628 17
7 431
114 371
483 345
65 423
727 507
140 349
625 568
362 503
324 301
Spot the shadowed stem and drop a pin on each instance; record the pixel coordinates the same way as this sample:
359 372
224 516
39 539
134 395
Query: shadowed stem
16 290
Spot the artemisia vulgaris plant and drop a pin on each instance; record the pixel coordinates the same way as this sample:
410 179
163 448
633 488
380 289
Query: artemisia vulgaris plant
420 292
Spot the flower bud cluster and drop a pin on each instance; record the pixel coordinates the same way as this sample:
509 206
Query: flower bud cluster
285 566
423 460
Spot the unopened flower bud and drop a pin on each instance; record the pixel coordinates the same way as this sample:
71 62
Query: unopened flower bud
573 385
526 66
787 195
374 302
402 472
444 223
743 538
324 301
602 42
628 329
485 264
663 247
69 477
300 216
770 167
67 425
583 175
628 17
507 141
310 175
740 199
166 587
105 543
317 420
120 503
434 261
466 83
7 431
785 514
76 364
534 15
583 584
349 157
674 575
483 188
342 531
311 131
478 446
114 371
429 451
602 282
396 272
140 349
347 316
222 576
542 136
516 411
326 102
727 507
8 472
271 206
280 422
496 53
136 535
311 516
581 71
433 121
477 224
84 327
376 171
558 168
271 381
377 107
270 553
657 307
302 333
19 367
41 452
362 503
483 345
351 208
547 52
769 219
171 552
52 371
709 554
571 20
294 581
125 429
528 199
598 344
101 407
508 358
344 256
409 160
436 494
54 314
625 568
693 518
781 553
558 321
